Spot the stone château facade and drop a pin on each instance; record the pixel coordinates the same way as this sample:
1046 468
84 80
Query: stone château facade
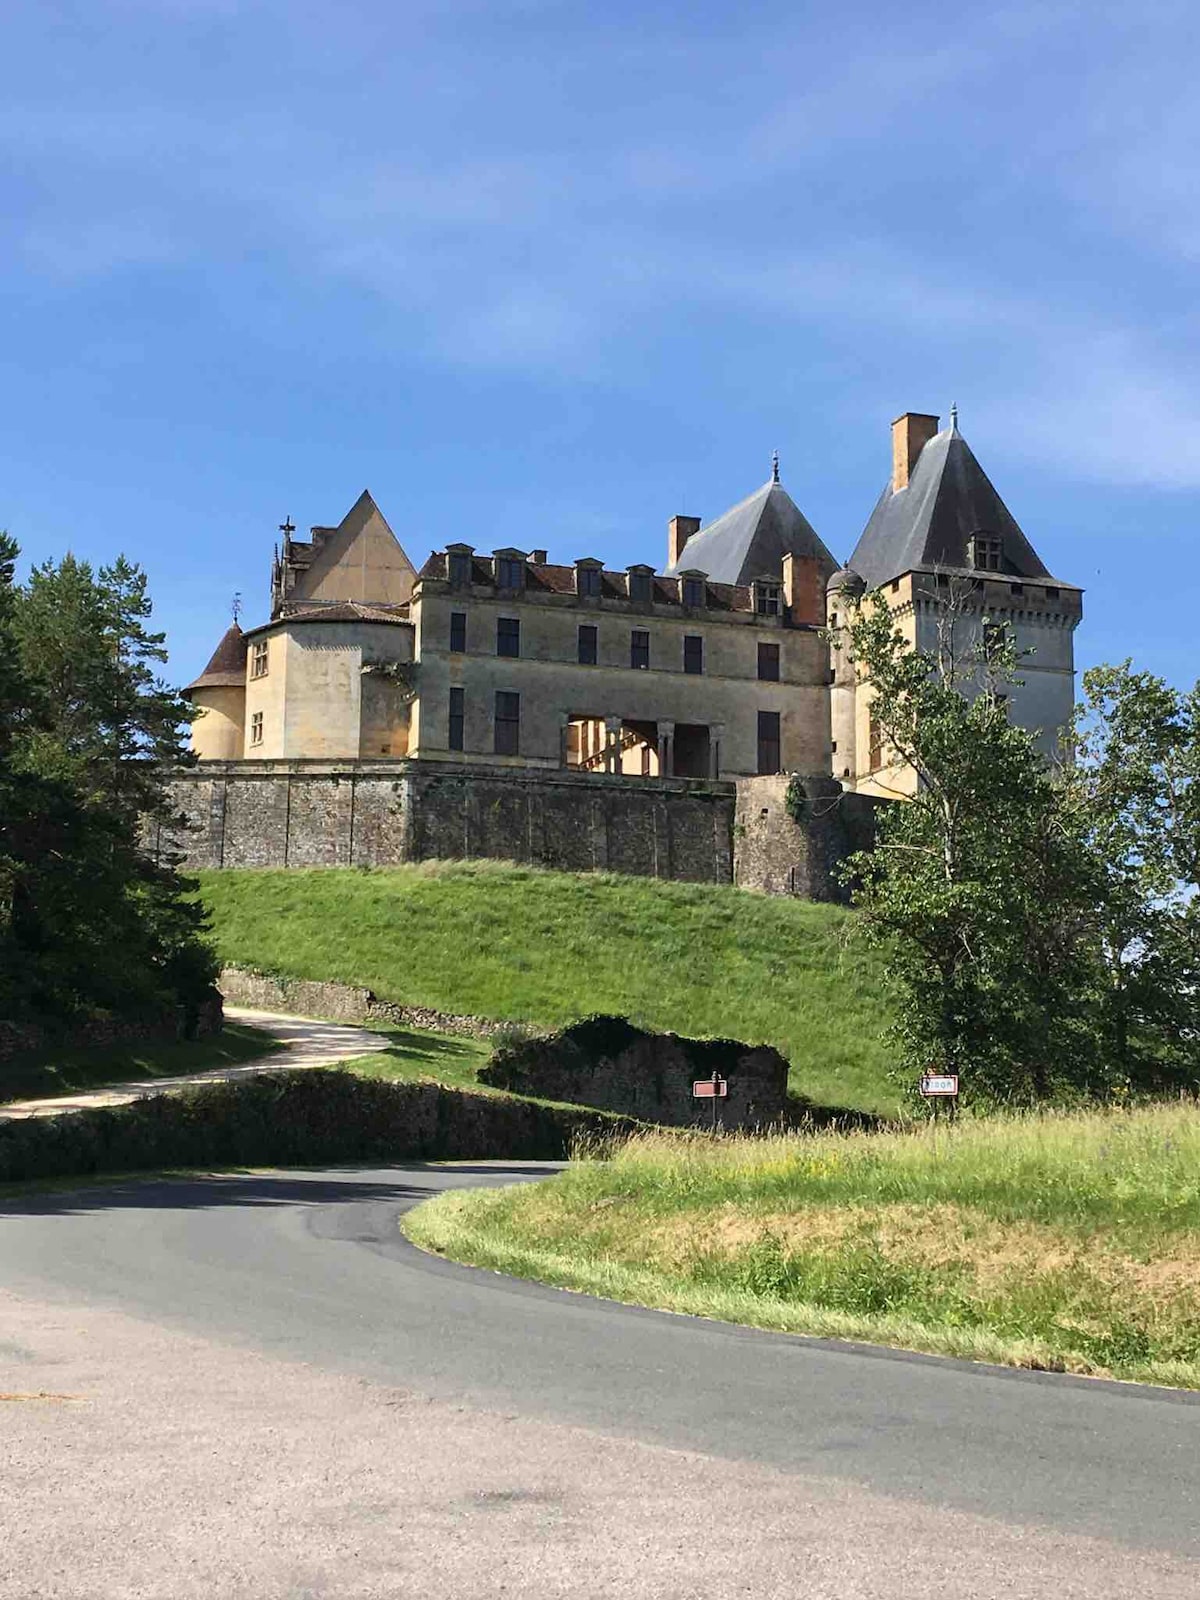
719 667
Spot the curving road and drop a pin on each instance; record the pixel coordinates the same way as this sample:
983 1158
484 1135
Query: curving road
264 1390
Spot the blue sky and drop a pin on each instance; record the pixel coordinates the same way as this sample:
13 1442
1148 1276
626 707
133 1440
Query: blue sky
546 273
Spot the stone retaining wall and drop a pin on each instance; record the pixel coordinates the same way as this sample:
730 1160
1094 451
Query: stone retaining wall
344 1002
20 1038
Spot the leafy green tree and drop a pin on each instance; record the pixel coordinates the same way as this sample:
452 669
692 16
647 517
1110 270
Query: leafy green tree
1137 784
88 732
980 886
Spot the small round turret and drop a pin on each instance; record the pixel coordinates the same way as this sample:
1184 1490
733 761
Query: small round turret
845 578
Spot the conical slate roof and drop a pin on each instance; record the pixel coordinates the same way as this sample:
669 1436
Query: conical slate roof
927 525
227 669
751 540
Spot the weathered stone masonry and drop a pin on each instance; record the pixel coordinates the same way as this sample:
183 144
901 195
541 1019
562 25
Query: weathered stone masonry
347 813
378 814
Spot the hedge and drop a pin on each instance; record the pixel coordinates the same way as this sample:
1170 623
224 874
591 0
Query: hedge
296 1119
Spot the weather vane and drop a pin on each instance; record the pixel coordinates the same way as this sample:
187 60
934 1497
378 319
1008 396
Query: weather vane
237 604
774 466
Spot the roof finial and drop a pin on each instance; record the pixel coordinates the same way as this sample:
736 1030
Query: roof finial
774 466
954 417
287 528
237 604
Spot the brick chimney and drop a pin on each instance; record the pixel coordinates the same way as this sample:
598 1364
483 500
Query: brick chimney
803 591
910 434
679 531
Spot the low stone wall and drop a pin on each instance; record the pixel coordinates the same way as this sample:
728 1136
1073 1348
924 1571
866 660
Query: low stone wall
20 1038
609 1063
777 854
344 1002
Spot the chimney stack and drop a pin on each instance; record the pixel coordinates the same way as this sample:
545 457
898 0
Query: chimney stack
803 591
679 531
910 434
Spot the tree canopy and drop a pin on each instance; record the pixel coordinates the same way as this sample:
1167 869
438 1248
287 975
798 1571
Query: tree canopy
88 732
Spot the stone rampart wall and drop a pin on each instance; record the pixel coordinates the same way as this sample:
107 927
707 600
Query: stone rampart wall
318 813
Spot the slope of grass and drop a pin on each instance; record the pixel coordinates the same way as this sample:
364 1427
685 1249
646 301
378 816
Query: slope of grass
545 947
1066 1242
50 1072
414 1056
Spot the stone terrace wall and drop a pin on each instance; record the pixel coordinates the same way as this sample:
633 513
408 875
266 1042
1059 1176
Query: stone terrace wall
345 1002
361 813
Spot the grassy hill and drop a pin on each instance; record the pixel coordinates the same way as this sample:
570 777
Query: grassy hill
548 947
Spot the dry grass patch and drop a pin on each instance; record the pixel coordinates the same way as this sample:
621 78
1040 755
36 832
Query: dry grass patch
1070 1242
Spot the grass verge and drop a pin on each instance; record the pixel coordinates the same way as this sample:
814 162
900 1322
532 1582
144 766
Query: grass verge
508 942
44 1074
1061 1242
417 1057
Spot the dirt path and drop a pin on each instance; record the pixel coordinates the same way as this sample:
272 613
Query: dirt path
309 1044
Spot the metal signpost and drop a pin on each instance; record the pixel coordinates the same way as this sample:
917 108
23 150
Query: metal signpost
940 1086
714 1089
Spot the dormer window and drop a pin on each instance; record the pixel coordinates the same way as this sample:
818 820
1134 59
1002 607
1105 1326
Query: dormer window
510 569
767 598
692 591
459 566
986 552
587 579
641 584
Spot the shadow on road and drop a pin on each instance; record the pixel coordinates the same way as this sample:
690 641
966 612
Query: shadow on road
290 1188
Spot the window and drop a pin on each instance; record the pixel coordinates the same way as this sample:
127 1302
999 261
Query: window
258 659
766 599
587 581
994 634
460 569
508 723
693 653
458 632
875 742
509 572
768 663
693 591
508 636
833 622
256 726
895 585
639 648
1018 588
986 550
768 741
1051 594
639 586
457 722
587 644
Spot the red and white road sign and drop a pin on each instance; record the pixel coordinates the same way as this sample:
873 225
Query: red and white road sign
937 1084
713 1088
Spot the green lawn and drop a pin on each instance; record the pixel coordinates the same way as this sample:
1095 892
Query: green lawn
413 1055
1065 1242
492 940
51 1072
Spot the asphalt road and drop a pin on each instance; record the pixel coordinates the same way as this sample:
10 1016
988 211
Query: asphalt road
1090 1488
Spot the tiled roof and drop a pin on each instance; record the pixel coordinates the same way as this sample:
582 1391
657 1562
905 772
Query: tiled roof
227 668
340 611
554 579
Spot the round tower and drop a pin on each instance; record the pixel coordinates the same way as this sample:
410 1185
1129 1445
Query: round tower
219 695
